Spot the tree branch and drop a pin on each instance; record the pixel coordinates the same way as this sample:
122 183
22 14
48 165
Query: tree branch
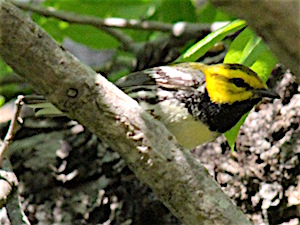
180 32
126 40
9 195
12 128
9 190
147 147
187 28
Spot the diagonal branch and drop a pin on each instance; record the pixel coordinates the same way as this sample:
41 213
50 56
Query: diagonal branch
147 147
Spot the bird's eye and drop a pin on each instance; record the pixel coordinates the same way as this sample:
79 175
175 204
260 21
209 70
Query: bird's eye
239 82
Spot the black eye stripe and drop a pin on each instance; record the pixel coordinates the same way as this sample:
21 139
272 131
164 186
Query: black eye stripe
239 82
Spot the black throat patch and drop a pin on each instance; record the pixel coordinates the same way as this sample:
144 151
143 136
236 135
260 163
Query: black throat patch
219 117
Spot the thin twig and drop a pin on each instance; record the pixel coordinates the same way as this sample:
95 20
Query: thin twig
178 29
9 182
126 40
9 195
12 130
110 22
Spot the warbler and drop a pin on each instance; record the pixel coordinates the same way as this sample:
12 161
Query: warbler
196 102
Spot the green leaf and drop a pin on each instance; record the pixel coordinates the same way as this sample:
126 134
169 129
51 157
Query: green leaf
2 100
91 36
232 134
117 75
200 48
249 50
245 49
264 64
4 68
210 14
176 10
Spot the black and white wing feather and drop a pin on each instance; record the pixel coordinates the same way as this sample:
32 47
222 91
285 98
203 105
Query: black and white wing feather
150 84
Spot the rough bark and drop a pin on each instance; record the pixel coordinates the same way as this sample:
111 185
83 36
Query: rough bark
71 177
183 184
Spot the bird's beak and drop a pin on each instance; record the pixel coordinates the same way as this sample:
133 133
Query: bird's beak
264 93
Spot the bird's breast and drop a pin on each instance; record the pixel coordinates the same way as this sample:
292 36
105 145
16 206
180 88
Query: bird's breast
189 132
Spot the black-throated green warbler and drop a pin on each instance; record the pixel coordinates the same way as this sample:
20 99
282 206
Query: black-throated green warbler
196 102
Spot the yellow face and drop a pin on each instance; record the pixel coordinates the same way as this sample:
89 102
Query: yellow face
229 83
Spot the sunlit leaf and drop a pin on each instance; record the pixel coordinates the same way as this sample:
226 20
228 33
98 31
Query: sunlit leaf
2 100
249 50
199 49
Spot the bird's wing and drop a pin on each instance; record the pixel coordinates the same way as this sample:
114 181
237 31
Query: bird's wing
177 77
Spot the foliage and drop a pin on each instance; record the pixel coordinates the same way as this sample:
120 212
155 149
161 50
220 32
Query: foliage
153 10
249 50
4 69
2 100
209 14
143 9
200 48
246 49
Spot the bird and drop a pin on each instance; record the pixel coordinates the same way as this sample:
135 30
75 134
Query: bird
196 102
